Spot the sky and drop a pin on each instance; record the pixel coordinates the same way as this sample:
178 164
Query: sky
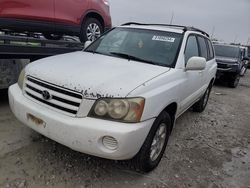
225 20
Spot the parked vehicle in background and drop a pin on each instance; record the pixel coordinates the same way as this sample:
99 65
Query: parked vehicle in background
230 63
10 70
245 59
248 55
122 94
54 18
18 49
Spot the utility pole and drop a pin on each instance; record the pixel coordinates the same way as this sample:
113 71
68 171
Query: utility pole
172 18
212 33
248 40
236 36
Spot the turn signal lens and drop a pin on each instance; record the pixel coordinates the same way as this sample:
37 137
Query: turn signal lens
21 79
106 2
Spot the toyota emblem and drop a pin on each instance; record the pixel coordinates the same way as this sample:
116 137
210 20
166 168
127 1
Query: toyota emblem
46 95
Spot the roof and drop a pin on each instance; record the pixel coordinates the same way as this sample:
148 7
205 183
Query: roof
224 44
164 27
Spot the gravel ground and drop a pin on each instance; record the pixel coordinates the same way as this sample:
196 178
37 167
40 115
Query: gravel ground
209 150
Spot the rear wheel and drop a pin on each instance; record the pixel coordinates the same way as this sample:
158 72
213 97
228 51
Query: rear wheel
154 146
52 36
91 29
200 105
234 81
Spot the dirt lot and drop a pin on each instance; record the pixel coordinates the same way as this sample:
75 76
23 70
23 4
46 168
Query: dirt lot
209 150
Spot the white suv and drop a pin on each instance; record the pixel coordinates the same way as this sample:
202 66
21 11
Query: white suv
119 98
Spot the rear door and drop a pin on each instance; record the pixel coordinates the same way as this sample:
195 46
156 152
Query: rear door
203 47
42 10
211 62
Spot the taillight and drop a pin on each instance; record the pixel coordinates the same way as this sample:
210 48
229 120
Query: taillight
106 2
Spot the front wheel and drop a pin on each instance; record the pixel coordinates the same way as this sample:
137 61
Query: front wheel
91 29
234 81
154 146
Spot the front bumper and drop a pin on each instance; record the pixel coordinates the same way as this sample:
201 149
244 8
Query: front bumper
227 69
81 134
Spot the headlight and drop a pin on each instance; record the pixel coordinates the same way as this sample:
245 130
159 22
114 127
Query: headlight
21 79
118 109
124 110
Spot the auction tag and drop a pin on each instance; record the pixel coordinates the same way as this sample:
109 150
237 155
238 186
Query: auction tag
163 38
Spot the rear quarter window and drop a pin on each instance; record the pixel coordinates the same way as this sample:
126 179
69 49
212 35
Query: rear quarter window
210 50
203 47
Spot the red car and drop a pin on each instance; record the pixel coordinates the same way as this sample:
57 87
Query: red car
84 18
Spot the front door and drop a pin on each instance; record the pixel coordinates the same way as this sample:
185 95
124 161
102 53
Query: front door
193 79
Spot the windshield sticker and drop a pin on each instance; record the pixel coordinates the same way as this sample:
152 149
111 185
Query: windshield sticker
163 38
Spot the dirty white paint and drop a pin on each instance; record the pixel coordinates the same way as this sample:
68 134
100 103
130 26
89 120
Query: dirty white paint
96 76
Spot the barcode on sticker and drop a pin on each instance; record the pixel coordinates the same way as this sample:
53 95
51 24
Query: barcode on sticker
163 38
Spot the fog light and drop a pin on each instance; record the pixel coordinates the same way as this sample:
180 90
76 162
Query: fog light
110 142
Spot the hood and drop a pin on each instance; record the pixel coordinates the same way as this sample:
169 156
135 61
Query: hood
94 75
221 59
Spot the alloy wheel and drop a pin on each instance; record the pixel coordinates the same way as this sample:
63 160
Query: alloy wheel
158 141
93 31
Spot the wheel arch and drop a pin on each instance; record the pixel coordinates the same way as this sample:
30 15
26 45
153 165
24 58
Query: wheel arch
212 82
171 109
93 14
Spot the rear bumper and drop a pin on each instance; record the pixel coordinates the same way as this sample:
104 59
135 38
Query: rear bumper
81 134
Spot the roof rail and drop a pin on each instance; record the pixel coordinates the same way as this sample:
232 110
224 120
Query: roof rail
198 30
135 23
185 28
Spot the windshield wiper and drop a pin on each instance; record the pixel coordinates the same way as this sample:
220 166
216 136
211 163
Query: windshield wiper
94 52
131 57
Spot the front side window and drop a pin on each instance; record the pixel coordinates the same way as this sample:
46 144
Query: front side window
148 46
191 48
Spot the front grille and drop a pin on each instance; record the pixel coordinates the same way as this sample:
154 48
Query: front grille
60 99
222 65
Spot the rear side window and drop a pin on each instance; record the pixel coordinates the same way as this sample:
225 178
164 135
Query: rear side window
203 47
210 50
191 48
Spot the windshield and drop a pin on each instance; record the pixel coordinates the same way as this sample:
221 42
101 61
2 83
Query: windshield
227 51
148 46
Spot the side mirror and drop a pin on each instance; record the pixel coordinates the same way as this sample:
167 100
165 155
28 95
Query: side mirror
196 63
246 59
87 43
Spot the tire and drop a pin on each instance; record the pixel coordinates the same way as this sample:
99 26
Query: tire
200 105
243 71
52 36
10 70
144 161
91 29
234 81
